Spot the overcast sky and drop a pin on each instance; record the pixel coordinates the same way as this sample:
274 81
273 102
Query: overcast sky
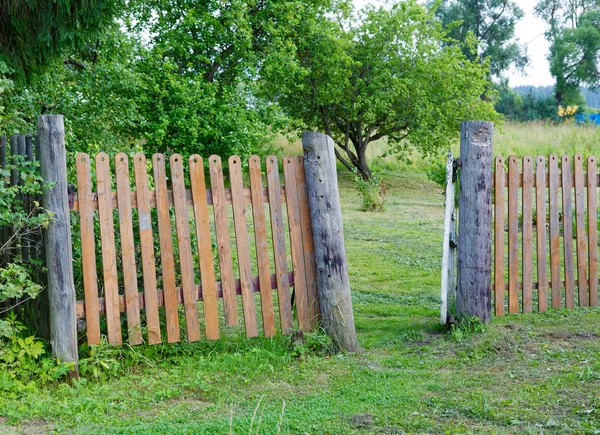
530 32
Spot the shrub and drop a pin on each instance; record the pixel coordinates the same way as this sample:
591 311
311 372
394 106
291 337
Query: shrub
373 192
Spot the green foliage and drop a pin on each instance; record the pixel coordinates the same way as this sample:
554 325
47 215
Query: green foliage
492 22
372 190
357 81
574 38
34 33
466 328
22 357
525 108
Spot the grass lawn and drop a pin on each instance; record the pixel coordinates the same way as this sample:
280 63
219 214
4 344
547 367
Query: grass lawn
536 373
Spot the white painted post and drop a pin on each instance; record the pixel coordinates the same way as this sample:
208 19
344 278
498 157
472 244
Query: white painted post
448 251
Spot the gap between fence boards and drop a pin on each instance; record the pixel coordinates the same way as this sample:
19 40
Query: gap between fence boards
161 300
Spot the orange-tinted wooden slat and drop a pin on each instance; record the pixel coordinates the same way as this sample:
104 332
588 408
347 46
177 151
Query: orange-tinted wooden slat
80 307
567 197
277 229
293 211
209 286
581 237
527 240
540 226
166 248
307 241
592 193
109 256
88 248
242 244
262 248
128 249
182 224
499 237
223 242
513 235
147 248
554 230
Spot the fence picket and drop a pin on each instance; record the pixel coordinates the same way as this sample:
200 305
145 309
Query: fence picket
293 211
132 305
307 241
568 231
540 226
166 249
207 271
182 225
554 231
147 249
592 192
277 228
223 242
527 241
262 249
499 237
109 257
242 244
513 235
88 248
580 236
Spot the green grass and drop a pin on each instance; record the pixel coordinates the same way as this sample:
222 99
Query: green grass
535 373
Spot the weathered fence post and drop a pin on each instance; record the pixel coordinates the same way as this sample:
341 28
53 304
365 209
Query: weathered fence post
475 221
57 239
333 283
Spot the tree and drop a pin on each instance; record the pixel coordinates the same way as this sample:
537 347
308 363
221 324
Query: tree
493 24
395 75
574 35
33 33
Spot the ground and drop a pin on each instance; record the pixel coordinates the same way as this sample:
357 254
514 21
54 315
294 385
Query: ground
534 373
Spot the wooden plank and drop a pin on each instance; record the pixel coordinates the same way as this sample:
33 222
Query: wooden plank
447 264
580 235
166 248
182 224
242 244
109 256
567 197
527 241
293 212
147 248
513 235
207 271
223 243
540 226
199 291
128 249
279 252
592 197
88 248
262 248
553 178
307 242
74 205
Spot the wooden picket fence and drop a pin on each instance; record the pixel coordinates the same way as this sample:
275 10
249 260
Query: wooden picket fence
561 203
177 205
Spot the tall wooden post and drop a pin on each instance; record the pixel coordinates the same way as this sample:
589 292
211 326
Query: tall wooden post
57 239
475 221
333 283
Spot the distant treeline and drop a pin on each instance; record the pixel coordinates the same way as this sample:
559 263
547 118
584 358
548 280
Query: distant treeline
592 98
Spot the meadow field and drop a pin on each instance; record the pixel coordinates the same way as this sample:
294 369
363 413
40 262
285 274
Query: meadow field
524 374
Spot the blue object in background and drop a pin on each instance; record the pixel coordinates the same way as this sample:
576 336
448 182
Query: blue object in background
581 118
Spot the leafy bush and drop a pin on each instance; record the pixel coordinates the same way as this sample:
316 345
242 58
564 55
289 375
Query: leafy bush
373 192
